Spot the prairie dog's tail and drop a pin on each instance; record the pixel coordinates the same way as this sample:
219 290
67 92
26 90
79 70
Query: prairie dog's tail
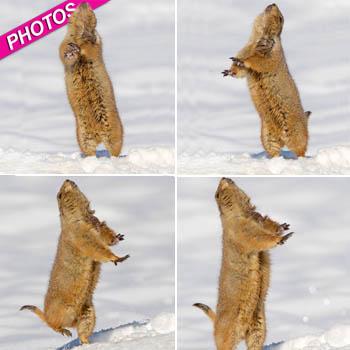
36 310
207 310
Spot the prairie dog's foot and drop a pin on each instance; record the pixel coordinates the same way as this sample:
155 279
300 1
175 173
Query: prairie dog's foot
123 258
226 72
284 238
72 52
65 332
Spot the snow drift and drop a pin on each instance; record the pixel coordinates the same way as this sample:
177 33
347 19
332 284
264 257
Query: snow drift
331 160
338 337
150 160
158 333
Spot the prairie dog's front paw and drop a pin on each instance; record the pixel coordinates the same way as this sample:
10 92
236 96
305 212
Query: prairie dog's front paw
116 238
72 52
120 259
285 238
284 226
237 62
236 68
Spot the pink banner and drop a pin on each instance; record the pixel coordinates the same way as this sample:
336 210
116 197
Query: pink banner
38 27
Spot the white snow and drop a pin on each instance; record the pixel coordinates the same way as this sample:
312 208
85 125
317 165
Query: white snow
309 291
219 129
158 333
141 288
338 337
37 124
141 160
332 160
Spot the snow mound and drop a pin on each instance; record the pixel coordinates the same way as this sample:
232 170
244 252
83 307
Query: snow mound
141 160
158 333
331 160
338 337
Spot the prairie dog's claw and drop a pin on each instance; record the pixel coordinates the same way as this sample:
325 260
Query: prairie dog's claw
285 226
123 258
285 238
237 62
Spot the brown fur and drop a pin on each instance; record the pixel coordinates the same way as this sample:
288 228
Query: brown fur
272 88
89 89
82 247
245 269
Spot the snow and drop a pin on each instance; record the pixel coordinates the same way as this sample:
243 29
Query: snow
338 337
157 160
158 333
219 129
309 290
37 124
141 288
332 160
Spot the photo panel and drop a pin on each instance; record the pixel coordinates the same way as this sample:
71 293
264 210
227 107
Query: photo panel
133 300
307 299
233 123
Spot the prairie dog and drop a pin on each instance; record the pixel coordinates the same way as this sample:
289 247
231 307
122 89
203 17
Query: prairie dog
272 88
245 269
89 89
82 247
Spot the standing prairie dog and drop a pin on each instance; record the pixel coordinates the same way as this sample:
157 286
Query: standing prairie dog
89 89
272 88
82 247
245 269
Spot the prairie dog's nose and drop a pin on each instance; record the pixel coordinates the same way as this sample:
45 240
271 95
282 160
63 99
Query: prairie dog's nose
225 181
84 6
270 7
69 184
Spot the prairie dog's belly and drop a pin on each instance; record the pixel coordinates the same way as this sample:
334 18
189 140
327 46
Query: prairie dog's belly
70 281
86 94
240 290
276 100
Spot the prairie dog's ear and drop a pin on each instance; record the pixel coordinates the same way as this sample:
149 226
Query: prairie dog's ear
307 114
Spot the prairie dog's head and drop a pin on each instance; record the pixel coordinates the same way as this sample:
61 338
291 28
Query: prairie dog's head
72 203
270 22
83 21
231 200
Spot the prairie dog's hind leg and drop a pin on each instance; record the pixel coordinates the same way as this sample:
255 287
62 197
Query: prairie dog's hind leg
298 145
86 323
271 142
257 332
225 334
87 142
114 143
